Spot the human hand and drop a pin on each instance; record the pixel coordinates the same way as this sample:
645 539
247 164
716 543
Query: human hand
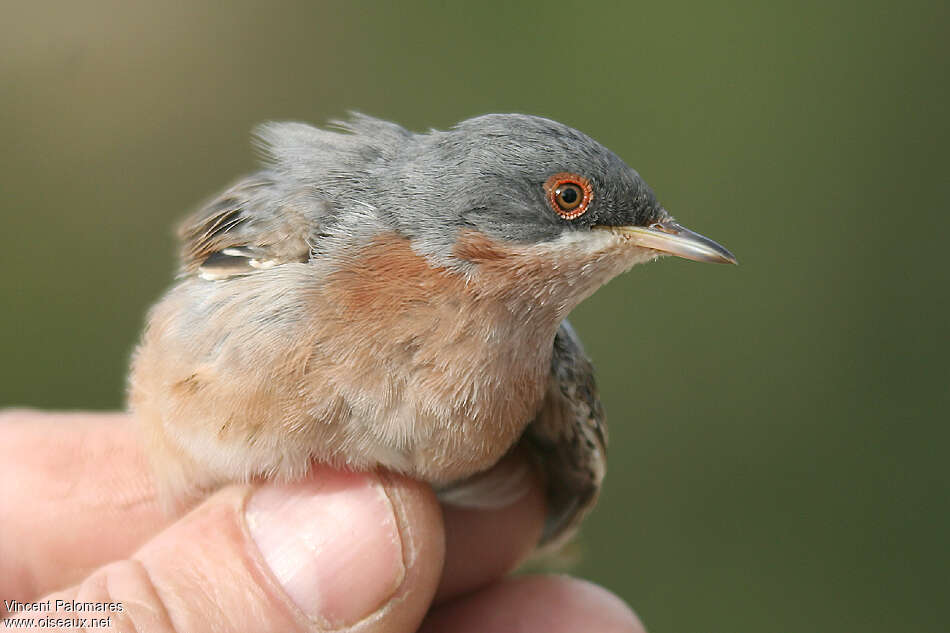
364 552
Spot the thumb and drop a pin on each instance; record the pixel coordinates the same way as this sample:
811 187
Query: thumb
332 552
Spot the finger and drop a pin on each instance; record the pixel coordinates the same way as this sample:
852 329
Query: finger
482 545
548 604
87 471
337 551
82 496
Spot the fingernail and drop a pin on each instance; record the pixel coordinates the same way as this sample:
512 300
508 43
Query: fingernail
332 543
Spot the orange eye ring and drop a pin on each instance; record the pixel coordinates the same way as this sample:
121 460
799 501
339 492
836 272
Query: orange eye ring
568 194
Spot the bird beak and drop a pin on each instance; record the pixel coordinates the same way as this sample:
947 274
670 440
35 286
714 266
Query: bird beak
673 239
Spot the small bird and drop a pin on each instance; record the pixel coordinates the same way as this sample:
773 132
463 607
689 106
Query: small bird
376 298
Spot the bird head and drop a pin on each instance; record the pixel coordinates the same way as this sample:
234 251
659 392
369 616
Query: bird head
556 208
527 180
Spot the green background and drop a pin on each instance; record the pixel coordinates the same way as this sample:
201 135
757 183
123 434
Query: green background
778 430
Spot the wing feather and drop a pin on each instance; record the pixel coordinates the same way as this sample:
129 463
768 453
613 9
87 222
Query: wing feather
569 439
251 226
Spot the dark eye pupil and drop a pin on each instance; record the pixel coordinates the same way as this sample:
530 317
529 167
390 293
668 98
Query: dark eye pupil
569 195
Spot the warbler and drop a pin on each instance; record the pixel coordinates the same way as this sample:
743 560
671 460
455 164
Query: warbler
377 298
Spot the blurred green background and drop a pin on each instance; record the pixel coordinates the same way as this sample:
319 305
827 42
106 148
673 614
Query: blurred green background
778 430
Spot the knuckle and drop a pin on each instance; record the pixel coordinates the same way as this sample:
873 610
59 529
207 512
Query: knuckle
128 594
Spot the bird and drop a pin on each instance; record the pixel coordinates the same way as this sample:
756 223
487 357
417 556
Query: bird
376 298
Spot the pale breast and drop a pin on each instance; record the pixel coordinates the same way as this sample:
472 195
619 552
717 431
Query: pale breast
436 366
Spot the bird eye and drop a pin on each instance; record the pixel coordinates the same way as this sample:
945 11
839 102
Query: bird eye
569 194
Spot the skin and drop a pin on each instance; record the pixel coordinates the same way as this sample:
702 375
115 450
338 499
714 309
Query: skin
204 570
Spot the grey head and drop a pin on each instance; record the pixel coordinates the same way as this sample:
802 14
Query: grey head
489 174
512 177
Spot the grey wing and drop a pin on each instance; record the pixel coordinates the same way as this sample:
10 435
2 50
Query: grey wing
568 439
251 226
